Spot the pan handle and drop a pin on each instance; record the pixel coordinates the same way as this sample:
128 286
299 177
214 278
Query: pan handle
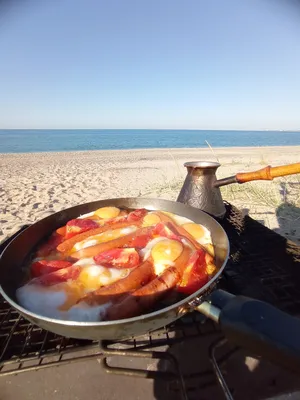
257 326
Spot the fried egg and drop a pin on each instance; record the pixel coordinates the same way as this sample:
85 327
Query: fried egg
104 237
94 276
60 301
199 232
51 301
107 212
163 252
151 219
146 251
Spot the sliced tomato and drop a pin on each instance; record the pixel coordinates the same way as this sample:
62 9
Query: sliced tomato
118 258
43 267
194 276
59 276
140 241
136 215
163 229
76 226
115 220
50 245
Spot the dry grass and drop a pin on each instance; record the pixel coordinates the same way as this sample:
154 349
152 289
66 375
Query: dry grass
276 203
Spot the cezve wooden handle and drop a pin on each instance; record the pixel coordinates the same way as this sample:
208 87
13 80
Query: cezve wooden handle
268 173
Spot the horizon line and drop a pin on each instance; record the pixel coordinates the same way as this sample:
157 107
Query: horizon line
154 129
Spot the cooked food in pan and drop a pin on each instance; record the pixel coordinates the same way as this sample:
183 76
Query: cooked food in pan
113 264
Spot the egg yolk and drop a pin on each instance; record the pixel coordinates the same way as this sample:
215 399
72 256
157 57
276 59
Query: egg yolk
90 277
93 277
166 250
151 219
74 292
210 249
107 212
197 231
211 269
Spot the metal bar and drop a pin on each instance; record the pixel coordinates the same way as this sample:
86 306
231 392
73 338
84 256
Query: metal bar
43 344
27 339
219 375
52 354
136 373
209 310
160 355
50 364
9 337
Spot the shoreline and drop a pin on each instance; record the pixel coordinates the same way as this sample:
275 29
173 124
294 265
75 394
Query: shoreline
157 149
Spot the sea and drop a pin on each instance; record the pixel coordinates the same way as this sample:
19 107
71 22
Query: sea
46 140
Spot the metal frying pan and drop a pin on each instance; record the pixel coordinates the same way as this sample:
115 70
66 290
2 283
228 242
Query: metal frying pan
255 325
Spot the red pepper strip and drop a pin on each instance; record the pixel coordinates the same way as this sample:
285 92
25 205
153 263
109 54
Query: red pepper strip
194 276
118 258
76 226
59 276
136 215
44 267
140 241
61 231
162 229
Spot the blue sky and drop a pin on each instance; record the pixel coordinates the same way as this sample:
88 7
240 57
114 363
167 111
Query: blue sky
189 64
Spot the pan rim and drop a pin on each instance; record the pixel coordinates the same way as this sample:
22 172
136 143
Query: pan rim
139 318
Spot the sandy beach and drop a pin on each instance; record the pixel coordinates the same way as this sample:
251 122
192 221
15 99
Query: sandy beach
34 185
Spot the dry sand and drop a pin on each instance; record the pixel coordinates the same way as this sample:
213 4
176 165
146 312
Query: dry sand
33 186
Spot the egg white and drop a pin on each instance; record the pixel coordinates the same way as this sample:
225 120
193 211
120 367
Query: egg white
46 301
43 300
181 220
83 262
83 312
90 214
206 238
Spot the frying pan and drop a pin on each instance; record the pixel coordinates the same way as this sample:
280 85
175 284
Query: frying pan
257 326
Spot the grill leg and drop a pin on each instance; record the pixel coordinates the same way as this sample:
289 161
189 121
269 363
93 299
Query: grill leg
217 370
143 373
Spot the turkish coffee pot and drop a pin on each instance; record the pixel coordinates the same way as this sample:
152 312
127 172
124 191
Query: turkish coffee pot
201 186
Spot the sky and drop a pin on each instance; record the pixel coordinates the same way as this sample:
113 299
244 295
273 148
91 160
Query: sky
155 64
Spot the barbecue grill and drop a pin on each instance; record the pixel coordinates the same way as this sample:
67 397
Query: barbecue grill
262 264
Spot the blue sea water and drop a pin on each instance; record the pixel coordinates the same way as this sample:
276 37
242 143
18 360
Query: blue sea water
28 141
